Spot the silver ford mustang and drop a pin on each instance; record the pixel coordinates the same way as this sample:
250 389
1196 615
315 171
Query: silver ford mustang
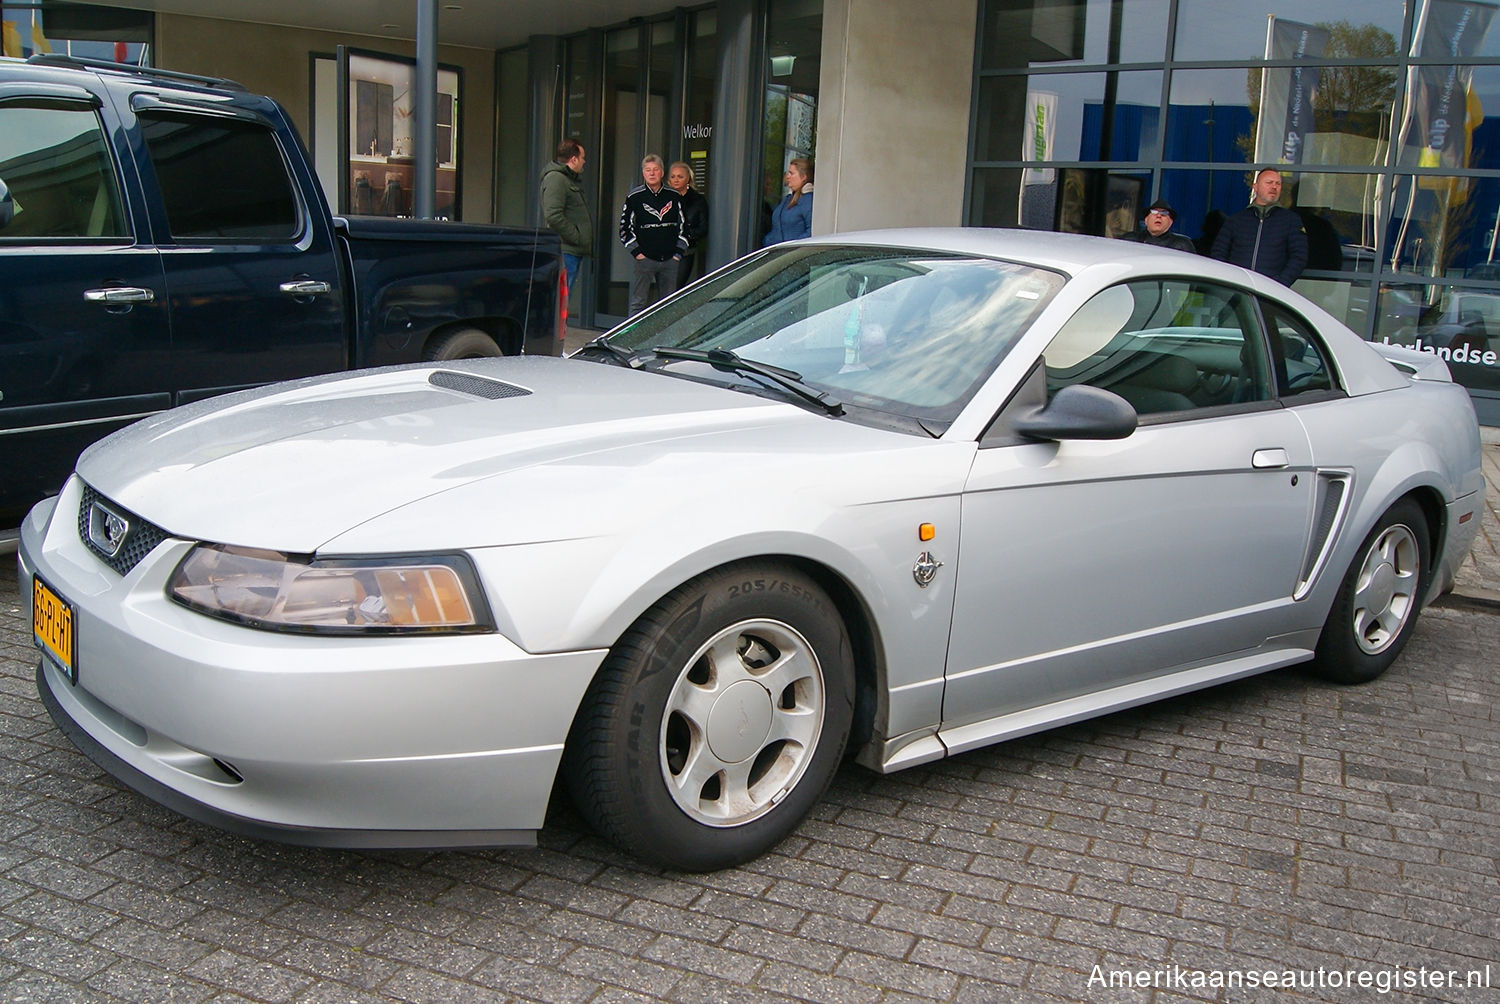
899 494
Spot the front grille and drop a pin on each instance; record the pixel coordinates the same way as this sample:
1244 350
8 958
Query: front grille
475 386
140 540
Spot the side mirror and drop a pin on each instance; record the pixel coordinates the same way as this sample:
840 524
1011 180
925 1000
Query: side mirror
1080 412
7 204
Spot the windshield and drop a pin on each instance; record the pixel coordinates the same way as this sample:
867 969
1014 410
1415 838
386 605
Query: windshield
910 333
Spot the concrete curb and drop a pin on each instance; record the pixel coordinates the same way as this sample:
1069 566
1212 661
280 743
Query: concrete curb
1476 600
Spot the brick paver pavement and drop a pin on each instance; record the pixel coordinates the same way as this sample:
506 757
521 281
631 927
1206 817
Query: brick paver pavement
1273 824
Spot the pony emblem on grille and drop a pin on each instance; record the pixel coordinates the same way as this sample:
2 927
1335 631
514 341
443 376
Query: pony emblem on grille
107 529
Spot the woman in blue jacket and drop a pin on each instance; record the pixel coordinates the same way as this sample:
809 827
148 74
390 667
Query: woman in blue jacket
793 218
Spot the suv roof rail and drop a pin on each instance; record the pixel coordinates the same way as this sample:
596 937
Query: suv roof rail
79 62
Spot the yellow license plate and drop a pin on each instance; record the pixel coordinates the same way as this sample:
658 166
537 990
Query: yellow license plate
52 627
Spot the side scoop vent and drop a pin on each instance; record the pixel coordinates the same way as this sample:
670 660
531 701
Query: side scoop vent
1328 513
475 386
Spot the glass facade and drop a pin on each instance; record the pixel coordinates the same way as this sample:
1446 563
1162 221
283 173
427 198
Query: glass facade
1383 115
794 48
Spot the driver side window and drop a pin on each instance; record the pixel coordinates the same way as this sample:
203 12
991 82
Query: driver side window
1170 347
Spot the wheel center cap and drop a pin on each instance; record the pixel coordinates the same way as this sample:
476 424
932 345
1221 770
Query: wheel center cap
1382 589
739 722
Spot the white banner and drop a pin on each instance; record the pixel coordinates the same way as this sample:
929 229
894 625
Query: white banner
1039 137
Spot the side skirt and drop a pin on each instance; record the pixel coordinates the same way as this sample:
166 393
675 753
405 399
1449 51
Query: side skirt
909 751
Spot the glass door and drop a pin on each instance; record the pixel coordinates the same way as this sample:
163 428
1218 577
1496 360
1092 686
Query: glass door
639 63
619 167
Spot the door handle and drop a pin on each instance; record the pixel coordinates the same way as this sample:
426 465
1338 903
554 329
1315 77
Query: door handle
119 294
305 287
1269 458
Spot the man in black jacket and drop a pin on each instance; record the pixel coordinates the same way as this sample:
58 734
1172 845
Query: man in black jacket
1263 236
1158 229
652 231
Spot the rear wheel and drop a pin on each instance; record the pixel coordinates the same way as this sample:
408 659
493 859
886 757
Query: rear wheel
464 343
1378 602
717 721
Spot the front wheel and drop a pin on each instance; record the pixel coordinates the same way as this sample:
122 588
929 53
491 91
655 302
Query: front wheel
1378 602
717 721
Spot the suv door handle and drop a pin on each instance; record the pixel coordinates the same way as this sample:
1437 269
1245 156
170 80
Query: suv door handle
119 294
305 287
1274 457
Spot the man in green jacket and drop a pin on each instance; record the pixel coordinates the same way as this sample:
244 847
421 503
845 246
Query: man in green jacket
563 208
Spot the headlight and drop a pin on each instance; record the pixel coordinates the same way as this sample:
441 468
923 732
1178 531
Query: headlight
282 592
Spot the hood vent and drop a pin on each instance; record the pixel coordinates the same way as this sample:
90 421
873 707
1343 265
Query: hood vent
475 386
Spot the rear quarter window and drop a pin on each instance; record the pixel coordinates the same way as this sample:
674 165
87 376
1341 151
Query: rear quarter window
1303 372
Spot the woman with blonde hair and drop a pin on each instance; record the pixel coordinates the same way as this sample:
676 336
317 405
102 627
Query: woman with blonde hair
694 218
793 218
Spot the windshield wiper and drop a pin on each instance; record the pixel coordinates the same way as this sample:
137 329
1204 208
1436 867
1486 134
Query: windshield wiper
787 380
617 353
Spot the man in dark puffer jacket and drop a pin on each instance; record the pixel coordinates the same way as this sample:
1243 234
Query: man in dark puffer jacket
1263 236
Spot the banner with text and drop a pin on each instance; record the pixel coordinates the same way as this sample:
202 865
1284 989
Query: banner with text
1286 92
1451 30
1039 137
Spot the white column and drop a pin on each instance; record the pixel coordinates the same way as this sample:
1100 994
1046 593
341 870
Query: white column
893 118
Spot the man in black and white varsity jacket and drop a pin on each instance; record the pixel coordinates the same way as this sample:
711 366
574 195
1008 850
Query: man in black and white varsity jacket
651 228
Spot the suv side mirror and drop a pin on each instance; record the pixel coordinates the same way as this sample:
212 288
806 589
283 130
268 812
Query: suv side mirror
1080 412
7 204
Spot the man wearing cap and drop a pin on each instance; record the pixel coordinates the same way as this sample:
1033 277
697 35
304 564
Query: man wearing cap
1158 233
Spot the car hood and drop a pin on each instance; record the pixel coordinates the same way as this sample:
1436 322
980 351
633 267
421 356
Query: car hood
293 466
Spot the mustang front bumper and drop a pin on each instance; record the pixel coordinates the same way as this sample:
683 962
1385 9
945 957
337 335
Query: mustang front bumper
429 741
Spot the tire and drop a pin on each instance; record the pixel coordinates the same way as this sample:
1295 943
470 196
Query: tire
464 343
1379 600
717 721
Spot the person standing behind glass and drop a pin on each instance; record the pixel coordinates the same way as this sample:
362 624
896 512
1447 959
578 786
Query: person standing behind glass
793 218
694 217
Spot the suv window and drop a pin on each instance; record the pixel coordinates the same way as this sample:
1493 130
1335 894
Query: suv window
1164 345
58 175
221 179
